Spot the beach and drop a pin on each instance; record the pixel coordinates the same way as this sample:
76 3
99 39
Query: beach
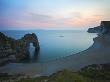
98 53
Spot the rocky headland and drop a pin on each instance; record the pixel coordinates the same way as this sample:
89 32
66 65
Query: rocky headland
94 30
103 28
16 50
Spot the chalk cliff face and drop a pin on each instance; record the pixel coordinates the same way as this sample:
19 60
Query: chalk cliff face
19 49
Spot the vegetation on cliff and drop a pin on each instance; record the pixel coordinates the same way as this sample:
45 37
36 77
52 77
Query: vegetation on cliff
91 73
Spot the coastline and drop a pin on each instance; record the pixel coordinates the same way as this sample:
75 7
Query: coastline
98 53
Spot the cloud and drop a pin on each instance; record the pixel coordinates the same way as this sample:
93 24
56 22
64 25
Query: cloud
39 17
24 19
30 19
77 14
80 20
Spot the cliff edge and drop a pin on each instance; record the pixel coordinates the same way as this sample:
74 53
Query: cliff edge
103 28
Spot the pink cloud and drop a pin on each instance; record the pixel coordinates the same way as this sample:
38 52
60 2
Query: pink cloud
35 24
36 20
8 22
83 21
27 20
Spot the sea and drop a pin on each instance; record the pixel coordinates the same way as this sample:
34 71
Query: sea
55 44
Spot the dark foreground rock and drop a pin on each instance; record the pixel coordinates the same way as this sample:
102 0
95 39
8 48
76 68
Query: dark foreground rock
16 50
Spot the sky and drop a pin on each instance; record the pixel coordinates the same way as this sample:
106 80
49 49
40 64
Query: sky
53 14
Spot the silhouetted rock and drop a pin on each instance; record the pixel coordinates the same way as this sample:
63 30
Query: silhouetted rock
11 49
104 28
94 30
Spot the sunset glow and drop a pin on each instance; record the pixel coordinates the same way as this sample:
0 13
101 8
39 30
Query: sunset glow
40 14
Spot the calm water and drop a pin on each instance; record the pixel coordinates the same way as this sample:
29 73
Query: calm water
56 44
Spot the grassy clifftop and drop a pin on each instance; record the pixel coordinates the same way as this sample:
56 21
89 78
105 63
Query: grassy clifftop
91 73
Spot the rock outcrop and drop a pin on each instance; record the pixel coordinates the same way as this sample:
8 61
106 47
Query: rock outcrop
104 28
11 49
22 45
94 30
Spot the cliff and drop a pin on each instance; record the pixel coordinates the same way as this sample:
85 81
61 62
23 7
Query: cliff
11 49
94 30
103 28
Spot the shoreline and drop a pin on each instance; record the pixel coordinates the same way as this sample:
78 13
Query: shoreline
98 53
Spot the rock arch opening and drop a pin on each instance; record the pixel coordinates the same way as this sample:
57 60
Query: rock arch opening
31 50
28 46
